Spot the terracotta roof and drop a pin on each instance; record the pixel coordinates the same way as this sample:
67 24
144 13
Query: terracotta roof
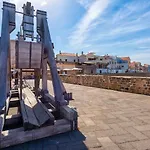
146 65
66 54
126 58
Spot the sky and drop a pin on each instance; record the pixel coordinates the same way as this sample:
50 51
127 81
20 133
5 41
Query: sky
114 27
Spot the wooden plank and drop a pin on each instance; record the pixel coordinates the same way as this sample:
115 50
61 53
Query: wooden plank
40 112
36 81
44 73
19 137
32 120
20 96
7 105
2 121
68 113
49 98
24 115
3 113
51 117
36 55
8 71
24 54
17 53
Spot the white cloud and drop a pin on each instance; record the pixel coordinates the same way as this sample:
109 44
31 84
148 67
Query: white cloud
142 56
113 32
139 41
84 26
44 3
85 3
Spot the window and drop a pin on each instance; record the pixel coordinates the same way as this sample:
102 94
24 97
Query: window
99 66
122 66
66 60
60 60
91 58
74 60
101 59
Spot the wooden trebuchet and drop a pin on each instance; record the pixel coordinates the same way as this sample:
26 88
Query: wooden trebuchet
28 113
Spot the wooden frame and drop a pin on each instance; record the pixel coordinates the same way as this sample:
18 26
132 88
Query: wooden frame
10 137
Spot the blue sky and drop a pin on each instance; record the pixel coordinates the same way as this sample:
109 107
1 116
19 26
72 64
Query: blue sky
115 27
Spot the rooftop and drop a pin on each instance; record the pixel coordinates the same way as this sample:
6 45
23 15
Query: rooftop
66 54
126 58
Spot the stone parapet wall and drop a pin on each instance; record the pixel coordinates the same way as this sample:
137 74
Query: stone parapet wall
139 85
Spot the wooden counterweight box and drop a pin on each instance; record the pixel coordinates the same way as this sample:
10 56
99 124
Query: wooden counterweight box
28 55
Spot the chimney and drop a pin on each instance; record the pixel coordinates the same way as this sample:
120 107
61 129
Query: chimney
82 52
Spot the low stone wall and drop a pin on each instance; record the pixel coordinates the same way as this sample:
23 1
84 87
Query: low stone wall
139 85
138 74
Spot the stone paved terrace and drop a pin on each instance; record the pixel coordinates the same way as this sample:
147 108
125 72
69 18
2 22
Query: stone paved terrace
108 120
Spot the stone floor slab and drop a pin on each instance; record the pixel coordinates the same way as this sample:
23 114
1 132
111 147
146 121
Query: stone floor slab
108 120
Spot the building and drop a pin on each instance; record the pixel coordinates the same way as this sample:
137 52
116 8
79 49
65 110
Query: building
69 63
102 64
81 58
117 65
67 57
146 68
135 67
126 59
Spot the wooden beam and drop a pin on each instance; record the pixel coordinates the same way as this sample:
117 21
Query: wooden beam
44 74
3 113
36 81
49 98
68 113
71 115
40 111
29 119
21 84
8 71
2 121
15 137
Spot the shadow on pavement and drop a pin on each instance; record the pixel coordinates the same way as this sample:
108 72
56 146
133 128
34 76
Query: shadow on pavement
67 141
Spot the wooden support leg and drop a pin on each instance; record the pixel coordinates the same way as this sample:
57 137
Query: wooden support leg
21 84
37 81
16 78
8 73
44 75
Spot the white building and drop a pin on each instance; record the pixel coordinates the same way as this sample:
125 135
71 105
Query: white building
71 57
67 57
117 65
